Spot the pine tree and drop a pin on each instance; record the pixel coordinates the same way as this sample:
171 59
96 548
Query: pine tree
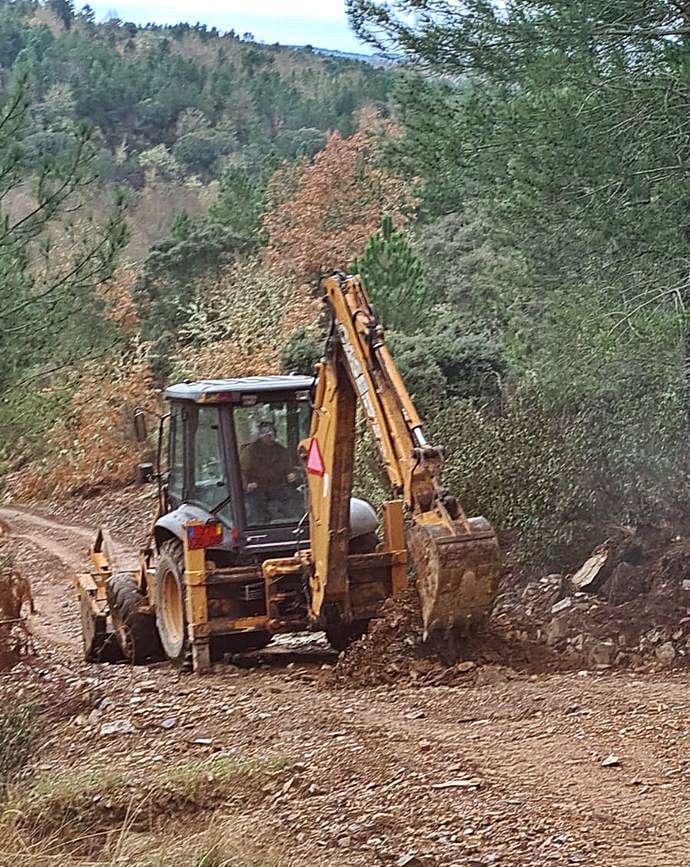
182 227
64 11
53 258
239 204
395 279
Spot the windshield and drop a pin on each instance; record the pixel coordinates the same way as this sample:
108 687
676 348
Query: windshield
269 434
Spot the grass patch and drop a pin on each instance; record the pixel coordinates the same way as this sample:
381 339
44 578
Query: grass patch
16 737
102 800
220 847
218 841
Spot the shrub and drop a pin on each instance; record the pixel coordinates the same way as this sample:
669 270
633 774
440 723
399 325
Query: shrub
303 349
559 479
238 323
450 363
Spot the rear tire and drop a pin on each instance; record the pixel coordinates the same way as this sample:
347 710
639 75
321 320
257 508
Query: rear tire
171 598
134 629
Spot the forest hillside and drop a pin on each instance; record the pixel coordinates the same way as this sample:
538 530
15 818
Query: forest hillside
513 192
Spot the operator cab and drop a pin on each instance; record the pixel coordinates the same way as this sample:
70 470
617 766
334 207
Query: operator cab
233 456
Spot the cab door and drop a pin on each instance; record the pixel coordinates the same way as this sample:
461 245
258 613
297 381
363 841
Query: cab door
209 486
175 485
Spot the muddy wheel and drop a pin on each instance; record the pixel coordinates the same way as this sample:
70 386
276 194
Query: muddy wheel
99 645
171 618
134 628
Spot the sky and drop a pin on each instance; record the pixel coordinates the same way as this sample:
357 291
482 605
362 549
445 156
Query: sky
321 23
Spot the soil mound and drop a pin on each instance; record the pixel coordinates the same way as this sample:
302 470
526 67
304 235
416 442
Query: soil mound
628 606
392 650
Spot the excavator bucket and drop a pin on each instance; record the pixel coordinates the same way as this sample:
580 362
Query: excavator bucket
457 573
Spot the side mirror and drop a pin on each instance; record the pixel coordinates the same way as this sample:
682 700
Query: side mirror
144 473
140 431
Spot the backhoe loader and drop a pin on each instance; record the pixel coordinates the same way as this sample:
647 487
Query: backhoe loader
257 532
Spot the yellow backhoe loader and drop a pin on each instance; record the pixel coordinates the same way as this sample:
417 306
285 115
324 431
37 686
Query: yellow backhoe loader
257 532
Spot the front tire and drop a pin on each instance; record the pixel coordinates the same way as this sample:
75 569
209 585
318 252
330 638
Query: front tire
133 626
171 598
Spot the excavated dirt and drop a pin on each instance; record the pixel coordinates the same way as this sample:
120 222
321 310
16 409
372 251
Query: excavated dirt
636 613
393 651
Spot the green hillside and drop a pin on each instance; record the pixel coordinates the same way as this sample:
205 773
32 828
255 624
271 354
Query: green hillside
173 107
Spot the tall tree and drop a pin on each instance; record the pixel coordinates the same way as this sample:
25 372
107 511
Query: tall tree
64 11
52 258
560 130
322 213
239 204
565 122
396 280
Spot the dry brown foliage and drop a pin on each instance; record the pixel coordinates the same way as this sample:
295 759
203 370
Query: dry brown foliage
117 295
43 16
250 311
15 597
154 209
320 216
95 445
236 327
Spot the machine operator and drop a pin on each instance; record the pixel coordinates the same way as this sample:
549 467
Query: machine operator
267 474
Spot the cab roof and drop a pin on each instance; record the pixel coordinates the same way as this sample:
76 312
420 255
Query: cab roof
216 390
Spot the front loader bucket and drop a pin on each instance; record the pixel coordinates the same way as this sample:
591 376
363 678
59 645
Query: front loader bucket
457 573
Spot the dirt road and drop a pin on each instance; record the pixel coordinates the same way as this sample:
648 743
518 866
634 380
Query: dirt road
510 771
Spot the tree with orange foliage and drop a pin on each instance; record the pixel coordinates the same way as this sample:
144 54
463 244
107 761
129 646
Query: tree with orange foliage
321 215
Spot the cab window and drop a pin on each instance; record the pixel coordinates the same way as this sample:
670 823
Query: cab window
210 485
268 434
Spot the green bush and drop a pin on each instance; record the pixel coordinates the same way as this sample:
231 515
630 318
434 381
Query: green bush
301 352
198 153
449 363
559 480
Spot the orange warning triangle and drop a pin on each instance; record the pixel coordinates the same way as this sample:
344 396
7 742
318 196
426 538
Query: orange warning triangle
314 460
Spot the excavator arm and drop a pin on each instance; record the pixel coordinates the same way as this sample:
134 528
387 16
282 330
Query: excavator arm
455 559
